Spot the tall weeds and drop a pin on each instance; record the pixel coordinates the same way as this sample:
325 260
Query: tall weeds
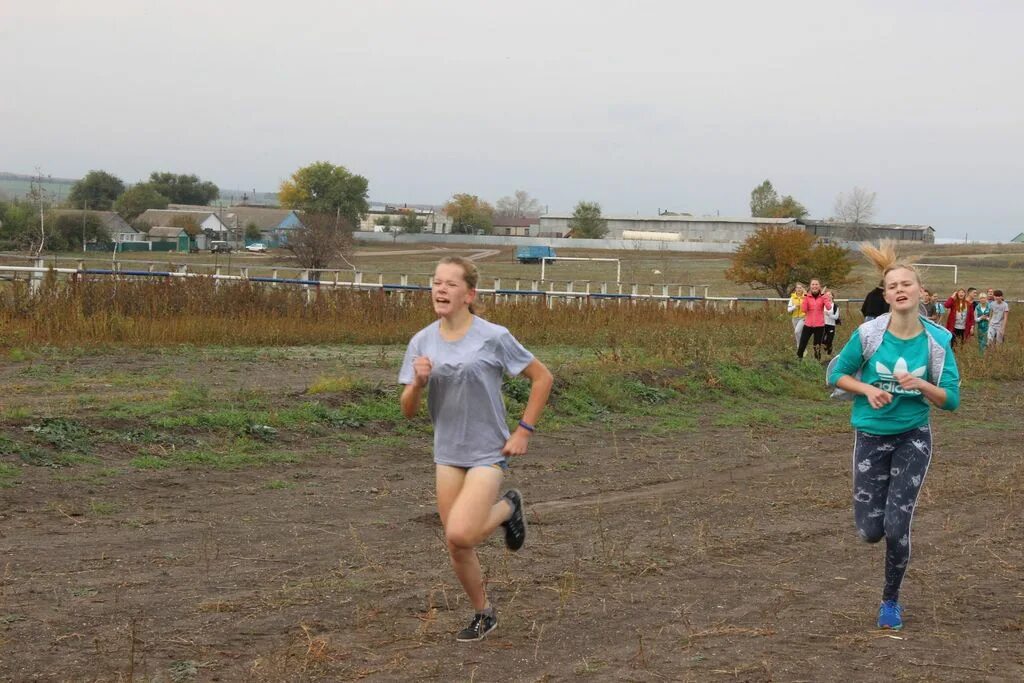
87 312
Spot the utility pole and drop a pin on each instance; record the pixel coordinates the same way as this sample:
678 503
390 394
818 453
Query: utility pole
85 206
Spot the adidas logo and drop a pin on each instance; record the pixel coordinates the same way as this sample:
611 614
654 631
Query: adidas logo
887 378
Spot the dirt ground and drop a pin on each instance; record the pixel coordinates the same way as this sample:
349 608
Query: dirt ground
716 553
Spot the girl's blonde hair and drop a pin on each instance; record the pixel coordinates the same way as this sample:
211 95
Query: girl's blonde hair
884 258
470 274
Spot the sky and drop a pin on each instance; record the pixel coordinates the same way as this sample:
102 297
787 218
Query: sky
640 106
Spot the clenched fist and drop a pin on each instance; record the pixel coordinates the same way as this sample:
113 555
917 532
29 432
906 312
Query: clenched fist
422 367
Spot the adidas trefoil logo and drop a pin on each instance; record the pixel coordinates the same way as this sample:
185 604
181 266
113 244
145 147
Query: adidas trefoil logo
887 378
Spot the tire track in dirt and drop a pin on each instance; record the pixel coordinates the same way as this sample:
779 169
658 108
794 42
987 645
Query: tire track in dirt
647 491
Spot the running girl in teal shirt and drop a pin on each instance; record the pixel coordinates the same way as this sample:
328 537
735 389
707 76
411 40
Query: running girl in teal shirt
897 366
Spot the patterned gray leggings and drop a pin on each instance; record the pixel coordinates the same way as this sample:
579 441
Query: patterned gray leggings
888 472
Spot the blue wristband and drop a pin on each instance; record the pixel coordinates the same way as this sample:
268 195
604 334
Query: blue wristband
527 426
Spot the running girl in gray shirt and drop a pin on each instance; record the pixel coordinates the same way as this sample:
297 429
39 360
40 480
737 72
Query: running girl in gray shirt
461 359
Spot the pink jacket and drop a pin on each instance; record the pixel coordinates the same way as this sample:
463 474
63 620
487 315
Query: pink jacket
814 309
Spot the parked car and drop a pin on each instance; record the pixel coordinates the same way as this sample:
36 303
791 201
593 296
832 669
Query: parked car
257 247
220 247
534 254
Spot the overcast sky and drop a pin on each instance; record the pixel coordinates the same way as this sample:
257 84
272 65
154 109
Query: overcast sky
638 105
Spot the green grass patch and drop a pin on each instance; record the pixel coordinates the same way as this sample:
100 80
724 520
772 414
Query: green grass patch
103 508
336 385
675 424
150 462
8 475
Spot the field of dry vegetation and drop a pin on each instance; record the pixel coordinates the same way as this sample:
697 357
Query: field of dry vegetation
206 482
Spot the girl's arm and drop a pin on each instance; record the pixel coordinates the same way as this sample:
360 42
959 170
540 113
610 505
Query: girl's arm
410 400
947 394
876 397
541 381
791 306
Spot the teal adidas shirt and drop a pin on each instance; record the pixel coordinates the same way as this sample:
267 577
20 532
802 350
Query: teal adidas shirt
908 409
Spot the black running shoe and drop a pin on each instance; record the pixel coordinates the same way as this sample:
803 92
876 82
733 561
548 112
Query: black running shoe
515 526
482 624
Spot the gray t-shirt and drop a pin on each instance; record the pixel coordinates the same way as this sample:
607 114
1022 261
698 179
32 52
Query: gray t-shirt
464 392
998 312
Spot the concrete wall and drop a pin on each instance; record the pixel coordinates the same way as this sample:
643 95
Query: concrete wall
689 229
506 241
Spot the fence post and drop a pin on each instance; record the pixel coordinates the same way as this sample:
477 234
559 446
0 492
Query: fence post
635 291
664 293
497 286
36 278
405 283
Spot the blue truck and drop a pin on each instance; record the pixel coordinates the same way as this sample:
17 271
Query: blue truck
534 254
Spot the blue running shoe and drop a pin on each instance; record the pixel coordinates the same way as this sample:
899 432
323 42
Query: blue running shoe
890 615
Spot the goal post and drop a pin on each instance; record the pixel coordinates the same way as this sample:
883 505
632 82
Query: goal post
940 265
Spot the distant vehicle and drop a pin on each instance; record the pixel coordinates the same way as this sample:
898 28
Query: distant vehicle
257 247
534 254
220 247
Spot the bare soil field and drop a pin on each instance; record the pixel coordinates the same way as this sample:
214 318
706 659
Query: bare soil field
224 515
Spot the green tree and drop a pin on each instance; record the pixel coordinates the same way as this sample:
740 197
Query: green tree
324 188
19 221
469 214
134 201
763 199
384 222
97 190
183 189
775 258
586 221
67 231
765 203
410 223
253 232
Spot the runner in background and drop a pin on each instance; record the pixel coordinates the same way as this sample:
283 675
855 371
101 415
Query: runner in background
814 306
982 314
1000 316
960 319
797 313
909 366
461 360
874 304
832 318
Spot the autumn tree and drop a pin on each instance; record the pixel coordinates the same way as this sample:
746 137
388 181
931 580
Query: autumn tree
586 221
187 223
469 214
321 242
776 257
183 188
520 205
97 190
766 203
323 188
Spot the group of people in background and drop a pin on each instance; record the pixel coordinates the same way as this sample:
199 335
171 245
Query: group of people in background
969 311
815 315
966 312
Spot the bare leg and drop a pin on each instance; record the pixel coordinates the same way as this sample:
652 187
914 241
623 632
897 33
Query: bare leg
469 513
